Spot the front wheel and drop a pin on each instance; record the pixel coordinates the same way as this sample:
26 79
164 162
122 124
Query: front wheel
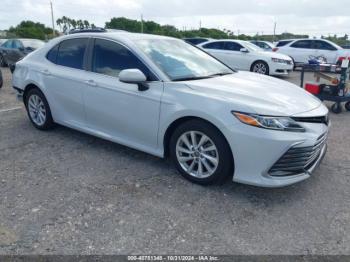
38 110
260 67
336 108
201 153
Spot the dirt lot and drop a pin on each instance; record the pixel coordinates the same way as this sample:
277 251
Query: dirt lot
64 192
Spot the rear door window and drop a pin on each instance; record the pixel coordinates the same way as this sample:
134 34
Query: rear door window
215 45
71 53
283 43
305 44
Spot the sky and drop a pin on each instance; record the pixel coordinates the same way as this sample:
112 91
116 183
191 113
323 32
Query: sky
312 17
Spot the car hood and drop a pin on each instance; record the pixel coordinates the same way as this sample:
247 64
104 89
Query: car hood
254 93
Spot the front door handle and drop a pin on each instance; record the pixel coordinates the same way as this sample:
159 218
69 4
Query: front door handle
91 82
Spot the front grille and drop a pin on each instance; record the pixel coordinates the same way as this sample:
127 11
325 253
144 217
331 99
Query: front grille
298 159
315 119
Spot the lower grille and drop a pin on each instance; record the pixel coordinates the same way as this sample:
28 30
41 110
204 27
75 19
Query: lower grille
298 159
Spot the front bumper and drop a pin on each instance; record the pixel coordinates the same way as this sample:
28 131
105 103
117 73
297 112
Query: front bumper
280 68
256 151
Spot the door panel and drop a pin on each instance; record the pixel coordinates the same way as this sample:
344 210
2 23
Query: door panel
326 50
119 110
122 112
302 50
64 80
65 87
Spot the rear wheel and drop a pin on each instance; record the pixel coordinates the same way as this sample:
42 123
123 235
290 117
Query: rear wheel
38 110
260 67
201 153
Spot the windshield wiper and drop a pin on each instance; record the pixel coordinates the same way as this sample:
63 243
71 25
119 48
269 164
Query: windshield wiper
220 74
191 78
200 77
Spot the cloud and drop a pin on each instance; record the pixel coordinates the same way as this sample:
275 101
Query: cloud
248 16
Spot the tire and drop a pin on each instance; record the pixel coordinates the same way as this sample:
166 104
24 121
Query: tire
211 163
260 67
38 110
336 108
347 106
2 61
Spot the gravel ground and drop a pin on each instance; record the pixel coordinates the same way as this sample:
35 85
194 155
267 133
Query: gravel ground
64 192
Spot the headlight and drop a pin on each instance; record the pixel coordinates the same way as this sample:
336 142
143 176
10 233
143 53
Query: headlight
269 122
277 60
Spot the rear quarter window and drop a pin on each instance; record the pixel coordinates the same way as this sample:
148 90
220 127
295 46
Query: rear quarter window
52 54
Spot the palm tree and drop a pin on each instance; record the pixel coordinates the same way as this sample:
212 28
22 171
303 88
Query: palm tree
59 23
74 23
86 24
80 24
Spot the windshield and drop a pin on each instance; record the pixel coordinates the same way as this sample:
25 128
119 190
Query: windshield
181 61
253 47
35 44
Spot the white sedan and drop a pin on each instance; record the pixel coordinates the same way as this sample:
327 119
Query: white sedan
246 56
169 98
303 50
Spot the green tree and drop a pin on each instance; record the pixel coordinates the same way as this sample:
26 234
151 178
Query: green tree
30 29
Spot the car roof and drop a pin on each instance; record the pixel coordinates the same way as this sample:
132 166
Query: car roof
117 36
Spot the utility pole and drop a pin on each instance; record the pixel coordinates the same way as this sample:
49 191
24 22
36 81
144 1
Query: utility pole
53 20
274 32
200 25
142 23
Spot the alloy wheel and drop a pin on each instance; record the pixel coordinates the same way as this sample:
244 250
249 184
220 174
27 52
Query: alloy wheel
197 154
37 110
260 68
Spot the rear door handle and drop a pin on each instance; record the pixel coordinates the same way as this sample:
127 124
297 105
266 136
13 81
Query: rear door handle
91 82
46 72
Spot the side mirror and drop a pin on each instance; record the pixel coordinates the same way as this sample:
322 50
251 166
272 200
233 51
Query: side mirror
134 76
244 50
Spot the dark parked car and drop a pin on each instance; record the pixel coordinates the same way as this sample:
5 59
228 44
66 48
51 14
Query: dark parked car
1 82
2 40
196 40
14 49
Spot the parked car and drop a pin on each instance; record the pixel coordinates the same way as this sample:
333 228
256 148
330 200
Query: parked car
196 40
282 43
168 98
265 45
346 46
303 50
243 55
14 49
1 81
